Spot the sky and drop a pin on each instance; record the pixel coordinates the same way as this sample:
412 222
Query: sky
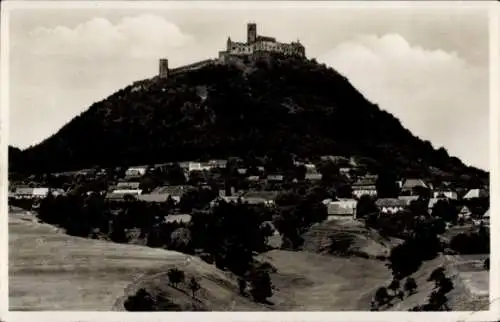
426 66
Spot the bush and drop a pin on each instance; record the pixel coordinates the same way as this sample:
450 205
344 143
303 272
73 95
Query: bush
141 301
261 287
410 285
175 276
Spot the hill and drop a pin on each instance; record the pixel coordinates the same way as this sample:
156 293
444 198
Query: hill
275 107
49 270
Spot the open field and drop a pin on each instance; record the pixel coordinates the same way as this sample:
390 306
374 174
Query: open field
49 270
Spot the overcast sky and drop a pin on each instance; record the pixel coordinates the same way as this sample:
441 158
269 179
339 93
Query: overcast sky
427 66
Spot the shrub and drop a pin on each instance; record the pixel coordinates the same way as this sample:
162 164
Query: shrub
175 276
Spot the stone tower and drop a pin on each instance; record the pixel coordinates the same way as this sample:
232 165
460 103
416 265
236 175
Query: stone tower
164 68
251 33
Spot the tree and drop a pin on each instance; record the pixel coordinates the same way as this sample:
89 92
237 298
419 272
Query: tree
381 295
194 286
242 285
437 275
175 276
437 301
365 206
394 286
386 184
410 285
261 287
141 301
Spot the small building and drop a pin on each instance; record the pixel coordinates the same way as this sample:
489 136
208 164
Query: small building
23 193
179 218
136 172
275 178
131 192
408 199
442 192
465 213
342 207
124 185
154 198
409 186
476 193
391 205
364 187
267 197
218 163
313 176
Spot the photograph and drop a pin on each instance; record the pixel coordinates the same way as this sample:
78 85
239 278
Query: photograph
247 156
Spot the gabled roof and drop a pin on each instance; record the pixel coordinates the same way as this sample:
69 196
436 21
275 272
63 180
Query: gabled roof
127 185
174 190
178 218
313 176
413 183
487 214
24 191
364 183
157 197
408 199
340 208
264 194
476 193
391 202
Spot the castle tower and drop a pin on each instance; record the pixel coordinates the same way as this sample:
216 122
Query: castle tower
251 33
163 68
228 44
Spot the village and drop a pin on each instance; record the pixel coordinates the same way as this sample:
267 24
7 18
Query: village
155 184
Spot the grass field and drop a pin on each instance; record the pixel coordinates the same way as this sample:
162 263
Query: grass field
49 270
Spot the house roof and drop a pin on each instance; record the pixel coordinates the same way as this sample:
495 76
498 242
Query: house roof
275 177
408 199
391 202
128 185
413 183
40 191
340 208
313 176
363 183
115 196
156 197
266 195
433 201
24 191
174 190
476 193
487 214
178 218
464 210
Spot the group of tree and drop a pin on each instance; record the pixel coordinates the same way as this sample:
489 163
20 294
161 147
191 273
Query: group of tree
437 300
385 295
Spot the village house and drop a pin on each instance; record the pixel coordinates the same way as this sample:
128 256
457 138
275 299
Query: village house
445 192
341 208
127 188
175 192
476 193
313 176
391 205
408 199
410 186
218 163
364 186
136 172
178 218
275 178
465 213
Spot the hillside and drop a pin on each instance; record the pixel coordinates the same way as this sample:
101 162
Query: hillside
49 270
271 108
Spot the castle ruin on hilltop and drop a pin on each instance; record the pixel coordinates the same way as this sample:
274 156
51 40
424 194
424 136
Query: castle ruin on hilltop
256 46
